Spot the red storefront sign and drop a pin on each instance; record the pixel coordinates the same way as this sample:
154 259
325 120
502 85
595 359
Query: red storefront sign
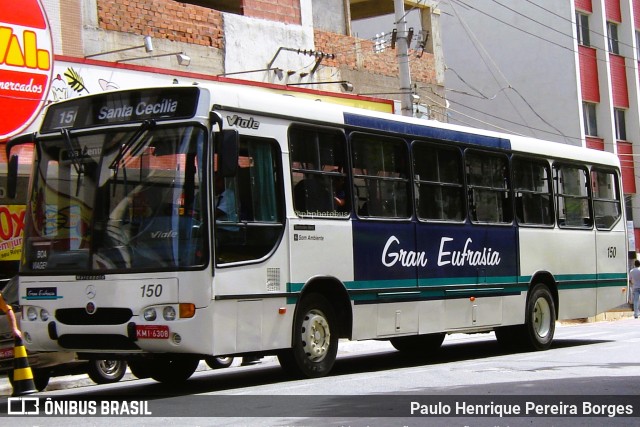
26 64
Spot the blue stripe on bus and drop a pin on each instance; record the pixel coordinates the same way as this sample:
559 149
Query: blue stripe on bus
425 131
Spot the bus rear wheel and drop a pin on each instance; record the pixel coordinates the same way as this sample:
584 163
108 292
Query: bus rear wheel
218 362
540 324
539 327
315 339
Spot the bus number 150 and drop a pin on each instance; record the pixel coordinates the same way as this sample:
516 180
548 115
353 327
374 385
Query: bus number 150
151 290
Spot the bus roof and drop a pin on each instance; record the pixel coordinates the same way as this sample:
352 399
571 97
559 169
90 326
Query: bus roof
306 110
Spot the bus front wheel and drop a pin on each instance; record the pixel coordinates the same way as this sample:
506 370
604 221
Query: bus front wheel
315 339
174 371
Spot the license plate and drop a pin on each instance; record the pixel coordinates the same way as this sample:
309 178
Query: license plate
7 353
160 332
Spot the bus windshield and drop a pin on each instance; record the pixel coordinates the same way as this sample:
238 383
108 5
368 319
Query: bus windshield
117 199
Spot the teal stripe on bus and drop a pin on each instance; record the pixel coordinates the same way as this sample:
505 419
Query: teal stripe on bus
444 288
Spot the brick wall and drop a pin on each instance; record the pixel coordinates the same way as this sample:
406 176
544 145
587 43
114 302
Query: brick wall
286 11
165 19
361 56
71 28
187 23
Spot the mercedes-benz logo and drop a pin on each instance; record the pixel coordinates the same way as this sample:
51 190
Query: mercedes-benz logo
91 292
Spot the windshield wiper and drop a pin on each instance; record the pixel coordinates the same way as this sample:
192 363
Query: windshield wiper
75 153
133 144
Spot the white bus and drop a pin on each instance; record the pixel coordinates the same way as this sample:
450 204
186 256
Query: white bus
337 223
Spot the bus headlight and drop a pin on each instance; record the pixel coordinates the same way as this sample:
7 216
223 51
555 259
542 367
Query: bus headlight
32 314
44 315
169 313
150 314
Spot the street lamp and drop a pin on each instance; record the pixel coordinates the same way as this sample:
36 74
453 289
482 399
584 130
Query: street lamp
148 47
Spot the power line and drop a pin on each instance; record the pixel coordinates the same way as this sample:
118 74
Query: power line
570 49
480 48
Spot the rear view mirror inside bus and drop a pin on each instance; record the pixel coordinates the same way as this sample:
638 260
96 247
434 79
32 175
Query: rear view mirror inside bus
227 143
12 177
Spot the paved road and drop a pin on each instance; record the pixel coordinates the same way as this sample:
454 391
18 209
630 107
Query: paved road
597 359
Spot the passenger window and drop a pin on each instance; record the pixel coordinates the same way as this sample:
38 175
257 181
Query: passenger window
439 182
572 196
380 176
532 187
254 220
606 198
488 187
318 172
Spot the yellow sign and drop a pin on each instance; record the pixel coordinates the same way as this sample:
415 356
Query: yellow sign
11 228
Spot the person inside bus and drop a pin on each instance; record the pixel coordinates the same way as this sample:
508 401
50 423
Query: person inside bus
225 201
340 194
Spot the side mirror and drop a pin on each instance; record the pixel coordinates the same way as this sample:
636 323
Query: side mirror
227 144
12 177
12 166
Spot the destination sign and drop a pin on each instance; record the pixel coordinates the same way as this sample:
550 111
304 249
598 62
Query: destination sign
122 107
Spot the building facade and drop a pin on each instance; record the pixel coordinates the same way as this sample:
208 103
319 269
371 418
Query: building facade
566 71
67 48
306 41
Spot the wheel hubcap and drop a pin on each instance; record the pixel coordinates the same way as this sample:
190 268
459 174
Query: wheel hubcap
542 318
316 336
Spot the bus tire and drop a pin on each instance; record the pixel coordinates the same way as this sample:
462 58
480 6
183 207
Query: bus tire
106 371
509 337
174 371
540 321
140 368
315 339
41 379
539 327
418 343
218 362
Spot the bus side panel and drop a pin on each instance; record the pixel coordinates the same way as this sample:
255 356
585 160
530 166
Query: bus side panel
320 248
570 256
248 299
385 267
472 269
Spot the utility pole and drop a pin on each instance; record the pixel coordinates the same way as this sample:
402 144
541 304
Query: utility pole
402 53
